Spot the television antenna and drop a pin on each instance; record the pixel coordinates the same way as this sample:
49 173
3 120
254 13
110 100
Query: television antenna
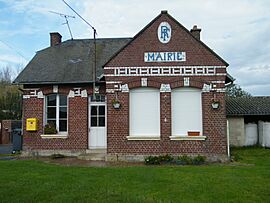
95 47
66 18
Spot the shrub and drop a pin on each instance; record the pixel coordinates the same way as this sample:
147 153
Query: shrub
181 160
165 158
152 160
198 160
184 160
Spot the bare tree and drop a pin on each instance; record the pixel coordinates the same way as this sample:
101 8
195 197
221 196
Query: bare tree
6 75
10 96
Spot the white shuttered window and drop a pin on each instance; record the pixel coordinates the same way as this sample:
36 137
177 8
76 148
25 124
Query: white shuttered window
186 111
144 112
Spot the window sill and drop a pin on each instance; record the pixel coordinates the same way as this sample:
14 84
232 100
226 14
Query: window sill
188 137
143 137
48 136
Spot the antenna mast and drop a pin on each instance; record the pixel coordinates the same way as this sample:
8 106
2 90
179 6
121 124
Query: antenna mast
66 18
95 48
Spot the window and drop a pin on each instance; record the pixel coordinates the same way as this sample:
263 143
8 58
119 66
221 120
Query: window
144 112
97 98
56 111
186 111
97 115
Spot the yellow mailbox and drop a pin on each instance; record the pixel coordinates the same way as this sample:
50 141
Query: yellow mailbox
31 124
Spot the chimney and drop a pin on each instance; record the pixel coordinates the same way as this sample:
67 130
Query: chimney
164 12
195 31
55 38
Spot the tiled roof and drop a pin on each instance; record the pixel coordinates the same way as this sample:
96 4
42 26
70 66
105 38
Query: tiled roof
248 106
71 61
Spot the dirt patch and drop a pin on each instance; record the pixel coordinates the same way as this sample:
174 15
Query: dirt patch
73 161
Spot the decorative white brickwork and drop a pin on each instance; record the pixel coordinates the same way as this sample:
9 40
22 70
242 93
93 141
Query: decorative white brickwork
165 71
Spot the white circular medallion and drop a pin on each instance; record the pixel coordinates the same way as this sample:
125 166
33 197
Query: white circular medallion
164 32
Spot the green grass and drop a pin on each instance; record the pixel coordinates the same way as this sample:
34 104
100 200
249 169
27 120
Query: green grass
35 181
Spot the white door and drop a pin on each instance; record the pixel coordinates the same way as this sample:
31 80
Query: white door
98 134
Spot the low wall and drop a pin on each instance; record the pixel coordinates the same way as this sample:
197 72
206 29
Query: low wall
236 131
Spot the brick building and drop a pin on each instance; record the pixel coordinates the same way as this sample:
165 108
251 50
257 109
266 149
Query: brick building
160 92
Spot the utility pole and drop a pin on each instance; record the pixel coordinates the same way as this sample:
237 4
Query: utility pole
95 48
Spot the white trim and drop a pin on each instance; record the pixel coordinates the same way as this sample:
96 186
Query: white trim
110 90
71 94
55 88
29 89
125 88
84 93
218 82
113 82
201 137
165 88
61 136
114 67
57 112
186 81
219 89
165 71
143 137
166 75
144 82
206 87
40 95
33 93
95 103
228 139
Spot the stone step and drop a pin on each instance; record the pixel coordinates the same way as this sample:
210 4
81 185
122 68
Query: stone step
94 155
96 151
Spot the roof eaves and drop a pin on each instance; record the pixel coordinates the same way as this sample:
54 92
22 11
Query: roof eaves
50 82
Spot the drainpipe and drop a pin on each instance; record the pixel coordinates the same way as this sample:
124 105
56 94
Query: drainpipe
228 139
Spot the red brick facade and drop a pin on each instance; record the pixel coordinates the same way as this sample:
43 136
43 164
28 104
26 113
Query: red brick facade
197 54
77 121
214 127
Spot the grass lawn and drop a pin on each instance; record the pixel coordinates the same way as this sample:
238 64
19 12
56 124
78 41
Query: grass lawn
34 181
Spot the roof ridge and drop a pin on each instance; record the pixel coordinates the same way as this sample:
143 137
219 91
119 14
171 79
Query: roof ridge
97 38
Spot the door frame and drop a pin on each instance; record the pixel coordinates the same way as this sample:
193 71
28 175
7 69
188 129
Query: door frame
95 103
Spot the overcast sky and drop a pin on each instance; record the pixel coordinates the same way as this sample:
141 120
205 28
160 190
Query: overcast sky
236 30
